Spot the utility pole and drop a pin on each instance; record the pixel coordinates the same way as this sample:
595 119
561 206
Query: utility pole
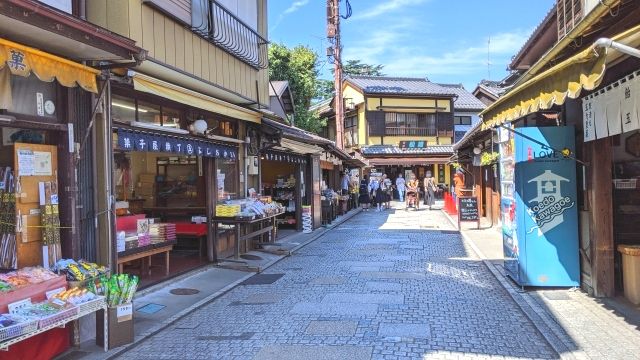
333 34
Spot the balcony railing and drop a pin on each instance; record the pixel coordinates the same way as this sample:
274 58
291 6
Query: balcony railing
409 131
222 28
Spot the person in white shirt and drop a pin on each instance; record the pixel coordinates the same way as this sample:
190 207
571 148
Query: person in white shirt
346 180
400 185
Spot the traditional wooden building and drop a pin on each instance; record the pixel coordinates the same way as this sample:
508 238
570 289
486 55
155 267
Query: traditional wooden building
569 81
181 125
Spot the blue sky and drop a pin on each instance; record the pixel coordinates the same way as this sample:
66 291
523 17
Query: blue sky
445 41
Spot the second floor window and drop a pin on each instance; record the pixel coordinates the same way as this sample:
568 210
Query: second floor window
407 124
351 131
64 5
462 120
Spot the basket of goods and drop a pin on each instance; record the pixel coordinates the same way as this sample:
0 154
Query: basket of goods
49 312
84 299
118 289
13 326
81 272
26 276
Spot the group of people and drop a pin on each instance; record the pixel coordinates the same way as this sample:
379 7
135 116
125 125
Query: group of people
380 191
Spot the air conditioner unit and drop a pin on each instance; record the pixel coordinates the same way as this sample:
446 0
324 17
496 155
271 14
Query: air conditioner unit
252 165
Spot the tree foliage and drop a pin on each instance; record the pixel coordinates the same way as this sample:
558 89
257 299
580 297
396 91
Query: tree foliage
299 66
325 89
357 67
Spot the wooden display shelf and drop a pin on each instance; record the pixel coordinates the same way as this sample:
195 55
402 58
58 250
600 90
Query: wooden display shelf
83 310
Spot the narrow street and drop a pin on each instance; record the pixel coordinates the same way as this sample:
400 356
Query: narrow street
391 285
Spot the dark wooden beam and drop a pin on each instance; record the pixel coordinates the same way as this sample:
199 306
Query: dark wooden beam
601 216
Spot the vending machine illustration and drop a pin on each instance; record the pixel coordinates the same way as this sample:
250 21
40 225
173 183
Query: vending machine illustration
538 206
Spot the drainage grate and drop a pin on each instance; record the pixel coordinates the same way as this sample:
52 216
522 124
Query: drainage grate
150 308
250 257
262 279
184 291
243 336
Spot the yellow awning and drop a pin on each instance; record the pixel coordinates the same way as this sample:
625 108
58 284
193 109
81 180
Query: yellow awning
23 60
182 95
567 79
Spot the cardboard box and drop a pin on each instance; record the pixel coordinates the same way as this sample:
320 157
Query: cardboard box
120 321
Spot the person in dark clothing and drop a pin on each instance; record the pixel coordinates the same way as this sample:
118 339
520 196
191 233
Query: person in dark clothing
430 191
363 192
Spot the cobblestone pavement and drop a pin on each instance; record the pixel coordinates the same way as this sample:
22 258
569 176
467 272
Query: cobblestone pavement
391 285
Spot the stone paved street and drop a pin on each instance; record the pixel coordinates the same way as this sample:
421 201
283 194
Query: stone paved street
389 285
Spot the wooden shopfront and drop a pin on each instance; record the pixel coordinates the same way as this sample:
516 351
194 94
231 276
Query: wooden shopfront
38 216
167 182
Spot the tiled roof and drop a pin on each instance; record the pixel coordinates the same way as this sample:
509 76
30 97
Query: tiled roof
465 100
295 133
399 86
395 150
492 87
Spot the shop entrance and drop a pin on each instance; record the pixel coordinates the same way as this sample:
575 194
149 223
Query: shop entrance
161 209
285 183
626 199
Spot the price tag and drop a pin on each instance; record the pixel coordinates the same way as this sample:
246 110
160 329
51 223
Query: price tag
19 305
52 293
58 303
124 312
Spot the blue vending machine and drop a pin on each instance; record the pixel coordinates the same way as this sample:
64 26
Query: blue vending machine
538 206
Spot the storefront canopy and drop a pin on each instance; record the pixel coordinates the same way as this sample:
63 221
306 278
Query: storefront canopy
567 79
399 161
182 95
22 61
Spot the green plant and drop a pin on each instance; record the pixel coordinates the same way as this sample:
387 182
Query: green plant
456 165
489 157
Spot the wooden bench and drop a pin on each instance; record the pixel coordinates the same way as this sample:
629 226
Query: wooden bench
145 253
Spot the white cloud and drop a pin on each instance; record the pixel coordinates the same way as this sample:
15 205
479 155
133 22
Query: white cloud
295 6
385 7
396 49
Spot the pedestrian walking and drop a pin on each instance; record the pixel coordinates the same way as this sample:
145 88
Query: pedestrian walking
458 184
363 191
400 186
430 189
413 197
374 190
388 193
345 183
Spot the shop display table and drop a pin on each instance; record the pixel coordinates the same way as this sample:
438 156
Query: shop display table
82 310
46 337
197 231
167 213
145 252
267 223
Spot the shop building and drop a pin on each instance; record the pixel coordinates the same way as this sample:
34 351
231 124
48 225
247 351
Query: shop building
477 152
406 125
47 97
173 141
589 88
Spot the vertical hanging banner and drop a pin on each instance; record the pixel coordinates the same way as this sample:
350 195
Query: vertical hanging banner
612 103
630 104
600 115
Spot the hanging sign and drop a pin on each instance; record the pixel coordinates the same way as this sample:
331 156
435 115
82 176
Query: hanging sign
137 141
284 157
612 110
